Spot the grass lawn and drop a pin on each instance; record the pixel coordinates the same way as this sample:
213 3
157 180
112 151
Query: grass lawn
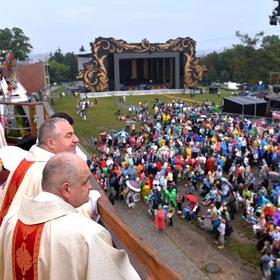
247 252
101 117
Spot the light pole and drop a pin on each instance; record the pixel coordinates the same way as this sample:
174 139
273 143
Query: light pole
47 78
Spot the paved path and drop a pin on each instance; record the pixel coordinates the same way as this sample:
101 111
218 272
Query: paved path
139 221
184 247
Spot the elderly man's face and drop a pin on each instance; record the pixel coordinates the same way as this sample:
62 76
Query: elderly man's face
64 140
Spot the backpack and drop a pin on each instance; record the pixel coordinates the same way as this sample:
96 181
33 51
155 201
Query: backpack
157 198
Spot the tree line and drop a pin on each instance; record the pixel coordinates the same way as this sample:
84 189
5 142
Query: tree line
16 41
250 61
62 67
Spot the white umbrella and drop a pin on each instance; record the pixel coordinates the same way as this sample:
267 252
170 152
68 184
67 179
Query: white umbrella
133 185
11 156
122 134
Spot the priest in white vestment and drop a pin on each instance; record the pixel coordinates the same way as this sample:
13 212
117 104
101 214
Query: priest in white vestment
55 136
71 245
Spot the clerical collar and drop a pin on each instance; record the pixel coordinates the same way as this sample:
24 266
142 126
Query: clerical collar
47 196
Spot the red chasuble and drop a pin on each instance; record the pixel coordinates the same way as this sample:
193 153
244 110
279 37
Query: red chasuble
25 250
13 187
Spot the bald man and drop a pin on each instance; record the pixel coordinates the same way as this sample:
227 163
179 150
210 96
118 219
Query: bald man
49 239
55 136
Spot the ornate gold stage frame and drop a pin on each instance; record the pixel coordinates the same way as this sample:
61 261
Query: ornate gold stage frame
95 74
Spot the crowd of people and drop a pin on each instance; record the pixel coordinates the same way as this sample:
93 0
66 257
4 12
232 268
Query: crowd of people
179 159
188 157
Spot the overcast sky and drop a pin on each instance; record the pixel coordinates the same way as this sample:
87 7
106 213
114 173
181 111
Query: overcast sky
68 24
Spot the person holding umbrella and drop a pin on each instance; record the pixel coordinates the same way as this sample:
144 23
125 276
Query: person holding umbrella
192 208
133 186
130 200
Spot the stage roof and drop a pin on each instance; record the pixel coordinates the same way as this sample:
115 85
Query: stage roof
245 100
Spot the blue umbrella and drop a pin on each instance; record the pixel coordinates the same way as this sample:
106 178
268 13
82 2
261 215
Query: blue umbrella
122 133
